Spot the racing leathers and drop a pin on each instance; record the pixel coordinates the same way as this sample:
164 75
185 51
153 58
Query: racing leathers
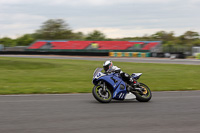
131 83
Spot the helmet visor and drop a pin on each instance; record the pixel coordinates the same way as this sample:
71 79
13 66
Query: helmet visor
106 67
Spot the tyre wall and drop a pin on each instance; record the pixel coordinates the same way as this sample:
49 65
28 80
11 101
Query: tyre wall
129 54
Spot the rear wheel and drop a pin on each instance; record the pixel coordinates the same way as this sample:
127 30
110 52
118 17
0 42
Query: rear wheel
100 95
145 96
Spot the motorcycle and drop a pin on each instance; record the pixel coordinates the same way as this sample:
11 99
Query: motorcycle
108 86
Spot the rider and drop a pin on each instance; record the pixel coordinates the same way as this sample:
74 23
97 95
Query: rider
109 68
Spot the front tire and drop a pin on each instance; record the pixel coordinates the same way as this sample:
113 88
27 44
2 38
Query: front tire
99 95
146 96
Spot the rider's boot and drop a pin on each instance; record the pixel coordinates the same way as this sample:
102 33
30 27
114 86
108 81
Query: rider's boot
134 86
129 88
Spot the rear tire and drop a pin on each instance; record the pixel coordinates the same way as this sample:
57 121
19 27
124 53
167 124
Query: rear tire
99 95
143 97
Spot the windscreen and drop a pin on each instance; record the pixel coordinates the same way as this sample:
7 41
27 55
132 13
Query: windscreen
97 70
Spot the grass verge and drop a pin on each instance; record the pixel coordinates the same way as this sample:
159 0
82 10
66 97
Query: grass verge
33 76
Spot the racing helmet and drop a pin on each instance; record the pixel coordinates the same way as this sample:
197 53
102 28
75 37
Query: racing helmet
107 65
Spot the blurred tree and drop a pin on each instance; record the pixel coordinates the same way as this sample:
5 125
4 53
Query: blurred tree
25 40
7 42
163 36
188 38
54 29
191 35
96 36
196 42
78 36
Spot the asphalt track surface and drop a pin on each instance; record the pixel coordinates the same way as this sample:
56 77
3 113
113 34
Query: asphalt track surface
167 112
137 60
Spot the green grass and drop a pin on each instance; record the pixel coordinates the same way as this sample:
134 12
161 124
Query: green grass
27 76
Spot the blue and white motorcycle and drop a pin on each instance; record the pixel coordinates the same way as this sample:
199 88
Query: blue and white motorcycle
111 86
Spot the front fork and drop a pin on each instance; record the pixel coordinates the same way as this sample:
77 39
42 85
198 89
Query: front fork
104 85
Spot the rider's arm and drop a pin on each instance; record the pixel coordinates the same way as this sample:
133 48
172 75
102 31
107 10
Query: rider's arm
117 69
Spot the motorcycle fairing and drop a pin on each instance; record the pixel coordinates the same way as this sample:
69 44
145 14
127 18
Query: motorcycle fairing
118 85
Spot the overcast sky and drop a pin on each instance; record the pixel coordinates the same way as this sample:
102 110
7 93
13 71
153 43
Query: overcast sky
115 18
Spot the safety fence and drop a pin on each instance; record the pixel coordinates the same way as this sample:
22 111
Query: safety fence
129 54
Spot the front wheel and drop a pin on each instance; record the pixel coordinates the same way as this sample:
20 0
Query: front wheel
146 96
100 95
